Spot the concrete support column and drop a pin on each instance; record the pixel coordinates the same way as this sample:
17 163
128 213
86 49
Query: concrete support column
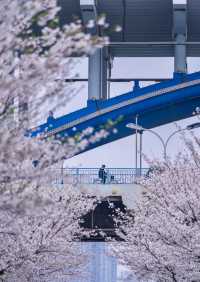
180 36
180 61
97 76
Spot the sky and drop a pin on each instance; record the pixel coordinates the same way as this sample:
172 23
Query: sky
121 153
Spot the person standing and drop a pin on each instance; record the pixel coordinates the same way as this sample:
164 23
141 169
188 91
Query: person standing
102 174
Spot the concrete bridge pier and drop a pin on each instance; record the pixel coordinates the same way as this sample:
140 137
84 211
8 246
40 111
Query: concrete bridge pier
97 76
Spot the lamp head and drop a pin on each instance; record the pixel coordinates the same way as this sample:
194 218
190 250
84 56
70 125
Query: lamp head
134 126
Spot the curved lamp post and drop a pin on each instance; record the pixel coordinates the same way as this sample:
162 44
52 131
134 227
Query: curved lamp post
140 129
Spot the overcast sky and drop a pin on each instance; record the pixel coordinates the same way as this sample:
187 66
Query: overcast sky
121 153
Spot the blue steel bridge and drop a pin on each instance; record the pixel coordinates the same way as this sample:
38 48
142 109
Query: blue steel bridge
149 28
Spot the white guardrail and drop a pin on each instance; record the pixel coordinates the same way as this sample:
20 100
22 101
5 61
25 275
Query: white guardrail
92 176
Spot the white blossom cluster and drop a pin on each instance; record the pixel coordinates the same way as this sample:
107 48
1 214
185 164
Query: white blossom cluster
33 67
37 222
164 233
37 231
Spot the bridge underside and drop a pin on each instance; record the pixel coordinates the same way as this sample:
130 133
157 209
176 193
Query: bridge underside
140 21
146 28
149 28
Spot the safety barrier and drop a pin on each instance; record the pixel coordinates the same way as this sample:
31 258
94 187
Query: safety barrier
91 175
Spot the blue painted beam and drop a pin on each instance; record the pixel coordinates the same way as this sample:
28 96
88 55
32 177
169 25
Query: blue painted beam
155 105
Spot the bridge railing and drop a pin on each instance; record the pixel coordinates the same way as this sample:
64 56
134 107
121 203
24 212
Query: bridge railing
91 175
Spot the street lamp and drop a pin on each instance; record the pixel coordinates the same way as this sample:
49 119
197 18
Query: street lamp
141 129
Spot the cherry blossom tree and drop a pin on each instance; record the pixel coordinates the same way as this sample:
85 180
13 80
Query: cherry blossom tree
162 241
38 230
35 60
38 222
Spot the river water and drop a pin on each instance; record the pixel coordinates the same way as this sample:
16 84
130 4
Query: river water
102 267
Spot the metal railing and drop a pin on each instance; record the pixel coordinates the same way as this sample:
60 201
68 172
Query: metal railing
91 175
